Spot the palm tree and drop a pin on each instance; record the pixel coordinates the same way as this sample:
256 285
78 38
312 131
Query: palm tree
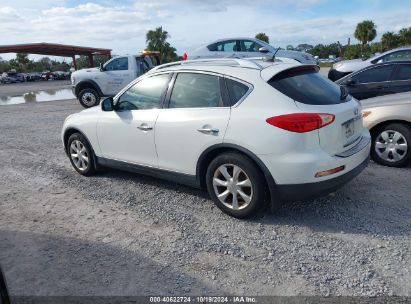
365 32
389 40
157 41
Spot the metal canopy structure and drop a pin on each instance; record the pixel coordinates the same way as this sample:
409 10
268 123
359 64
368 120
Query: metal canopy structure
54 49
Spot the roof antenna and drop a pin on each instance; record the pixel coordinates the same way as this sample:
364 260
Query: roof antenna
271 59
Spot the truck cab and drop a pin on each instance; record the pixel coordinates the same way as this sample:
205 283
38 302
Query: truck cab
89 85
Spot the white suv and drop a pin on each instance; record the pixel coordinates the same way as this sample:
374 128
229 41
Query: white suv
242 129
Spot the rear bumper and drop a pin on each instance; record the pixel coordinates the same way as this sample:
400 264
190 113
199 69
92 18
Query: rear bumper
305 191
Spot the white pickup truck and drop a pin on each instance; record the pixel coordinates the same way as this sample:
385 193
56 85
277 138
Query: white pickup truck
89 85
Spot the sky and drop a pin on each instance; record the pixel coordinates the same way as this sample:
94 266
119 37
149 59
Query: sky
121 25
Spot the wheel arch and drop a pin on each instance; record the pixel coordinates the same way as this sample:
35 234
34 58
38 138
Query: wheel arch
382 124
87 84
71 131
210 153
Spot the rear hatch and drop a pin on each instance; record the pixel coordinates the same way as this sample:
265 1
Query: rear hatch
313 93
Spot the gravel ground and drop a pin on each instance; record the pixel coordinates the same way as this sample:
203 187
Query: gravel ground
122 234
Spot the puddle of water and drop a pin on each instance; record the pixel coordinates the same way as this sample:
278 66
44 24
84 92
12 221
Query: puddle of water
38 97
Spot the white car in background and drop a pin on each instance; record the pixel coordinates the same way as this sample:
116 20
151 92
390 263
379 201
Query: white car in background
241 129
345 67
244 48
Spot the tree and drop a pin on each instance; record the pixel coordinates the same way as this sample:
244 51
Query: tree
365 32
22 60
405 36
304 47
157 41
389 40
263 37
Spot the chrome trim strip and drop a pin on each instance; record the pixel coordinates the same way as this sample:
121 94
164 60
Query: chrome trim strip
357 148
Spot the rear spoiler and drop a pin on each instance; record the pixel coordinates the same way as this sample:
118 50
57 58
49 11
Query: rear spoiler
287 69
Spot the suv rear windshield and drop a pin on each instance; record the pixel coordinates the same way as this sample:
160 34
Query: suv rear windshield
306 85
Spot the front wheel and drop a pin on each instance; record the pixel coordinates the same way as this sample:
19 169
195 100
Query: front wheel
88 98
80 154
235 184
391 145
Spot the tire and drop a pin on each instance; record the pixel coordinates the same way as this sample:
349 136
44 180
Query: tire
247 169
391 145
88 98
83 163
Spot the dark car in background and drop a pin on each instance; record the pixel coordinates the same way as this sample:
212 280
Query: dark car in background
379 79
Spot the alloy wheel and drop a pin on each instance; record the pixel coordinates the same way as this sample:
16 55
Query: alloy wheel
391 146
79 155
232 186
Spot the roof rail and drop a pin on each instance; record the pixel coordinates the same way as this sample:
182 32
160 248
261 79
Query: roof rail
235 62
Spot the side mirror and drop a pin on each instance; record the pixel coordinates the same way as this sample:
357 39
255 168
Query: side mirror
263 50
101 67
350 82
107 104
380 61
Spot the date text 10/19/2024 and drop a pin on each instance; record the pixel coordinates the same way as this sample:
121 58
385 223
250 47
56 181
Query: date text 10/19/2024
203 299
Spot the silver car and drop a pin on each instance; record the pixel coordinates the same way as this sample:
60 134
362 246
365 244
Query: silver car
245 48
389 120
345 67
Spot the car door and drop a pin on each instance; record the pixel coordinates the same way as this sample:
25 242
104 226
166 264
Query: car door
195 119
401 80
115 76
127 133
371 82
249 48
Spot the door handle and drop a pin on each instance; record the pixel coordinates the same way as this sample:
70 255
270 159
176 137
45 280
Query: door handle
208 130
379 87
145 127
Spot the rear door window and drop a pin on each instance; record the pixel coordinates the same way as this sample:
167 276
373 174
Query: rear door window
249 46
306 85
196 90
377 74
404 72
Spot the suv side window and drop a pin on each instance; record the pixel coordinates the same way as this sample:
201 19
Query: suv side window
378 74
118 64
249 46
403 73
223 46
398 56
196 90
145 94
236 90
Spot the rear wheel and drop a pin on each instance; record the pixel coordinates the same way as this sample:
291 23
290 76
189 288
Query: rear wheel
235 184
80 154
88 98
391 145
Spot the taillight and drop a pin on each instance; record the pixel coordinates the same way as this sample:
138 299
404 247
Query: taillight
301 122
185 56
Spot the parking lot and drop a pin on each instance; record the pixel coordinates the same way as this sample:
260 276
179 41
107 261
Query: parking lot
124 234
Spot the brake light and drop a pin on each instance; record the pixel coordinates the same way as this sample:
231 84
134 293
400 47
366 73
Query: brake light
185 56
301 122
